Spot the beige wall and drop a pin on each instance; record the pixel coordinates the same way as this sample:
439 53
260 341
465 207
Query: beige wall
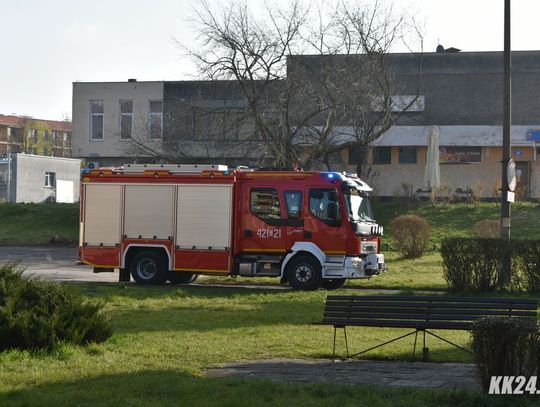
111 93
396 179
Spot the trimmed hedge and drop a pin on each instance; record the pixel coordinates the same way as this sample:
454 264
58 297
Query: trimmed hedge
506 347
38 315
475 264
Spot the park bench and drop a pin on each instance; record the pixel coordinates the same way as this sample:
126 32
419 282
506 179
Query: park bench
420 313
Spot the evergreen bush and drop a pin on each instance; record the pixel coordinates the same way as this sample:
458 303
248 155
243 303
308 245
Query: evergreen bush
38 315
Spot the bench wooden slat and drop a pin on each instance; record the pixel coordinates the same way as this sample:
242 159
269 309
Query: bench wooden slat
399 324
441 298
413 310
424 317
471 314
382 304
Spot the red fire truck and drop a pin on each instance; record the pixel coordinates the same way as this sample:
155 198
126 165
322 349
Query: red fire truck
161 223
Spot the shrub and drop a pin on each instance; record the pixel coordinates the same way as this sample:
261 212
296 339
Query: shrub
474 264
489 228
529 253
38 315
506 347
410 234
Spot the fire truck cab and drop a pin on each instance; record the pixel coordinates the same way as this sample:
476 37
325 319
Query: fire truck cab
174 222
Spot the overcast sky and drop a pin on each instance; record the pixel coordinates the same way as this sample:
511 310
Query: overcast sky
47 45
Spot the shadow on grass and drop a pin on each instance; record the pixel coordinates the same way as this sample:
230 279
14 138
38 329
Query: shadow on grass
176 388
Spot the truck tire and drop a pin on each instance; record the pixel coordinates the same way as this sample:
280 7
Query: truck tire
304 272
181 277
148 267
333 284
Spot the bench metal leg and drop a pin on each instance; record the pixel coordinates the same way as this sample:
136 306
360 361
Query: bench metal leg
414 347
447 341
425 351
346 342
382 344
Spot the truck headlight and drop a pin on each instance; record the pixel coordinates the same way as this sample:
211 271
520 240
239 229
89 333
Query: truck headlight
368 247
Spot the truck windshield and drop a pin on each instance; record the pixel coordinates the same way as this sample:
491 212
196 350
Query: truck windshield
358 205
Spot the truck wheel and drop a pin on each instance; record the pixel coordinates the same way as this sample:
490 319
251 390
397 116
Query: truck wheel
148 268
333 284
180 277
304 272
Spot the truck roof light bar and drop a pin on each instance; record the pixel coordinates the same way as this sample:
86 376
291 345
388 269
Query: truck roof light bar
171 168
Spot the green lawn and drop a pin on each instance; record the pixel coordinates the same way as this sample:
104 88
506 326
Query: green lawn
39 224
165 337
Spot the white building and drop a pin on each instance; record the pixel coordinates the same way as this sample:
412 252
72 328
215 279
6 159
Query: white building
110 118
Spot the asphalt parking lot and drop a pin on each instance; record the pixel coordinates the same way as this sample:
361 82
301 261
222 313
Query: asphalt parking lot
53 263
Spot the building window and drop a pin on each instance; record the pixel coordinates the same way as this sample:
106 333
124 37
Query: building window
96 120
126 119
50 179
458 155
155 118
407 155
382 155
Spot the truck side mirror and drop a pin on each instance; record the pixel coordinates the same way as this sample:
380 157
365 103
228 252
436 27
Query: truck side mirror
332 211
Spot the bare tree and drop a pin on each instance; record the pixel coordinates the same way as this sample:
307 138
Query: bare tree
306 74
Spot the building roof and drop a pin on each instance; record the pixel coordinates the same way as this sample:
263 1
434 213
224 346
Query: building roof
21 121
462 136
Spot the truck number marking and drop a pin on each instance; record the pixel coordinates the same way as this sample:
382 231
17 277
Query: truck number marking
269 233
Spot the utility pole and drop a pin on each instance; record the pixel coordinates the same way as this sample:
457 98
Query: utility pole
507 121
8 181
506 256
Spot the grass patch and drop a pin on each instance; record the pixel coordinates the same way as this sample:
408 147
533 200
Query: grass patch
165 337
39 224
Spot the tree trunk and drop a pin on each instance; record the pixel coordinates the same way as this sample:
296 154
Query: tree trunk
362 157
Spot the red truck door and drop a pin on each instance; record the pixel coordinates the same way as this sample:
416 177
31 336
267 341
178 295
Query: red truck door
329 234
263 224
294 209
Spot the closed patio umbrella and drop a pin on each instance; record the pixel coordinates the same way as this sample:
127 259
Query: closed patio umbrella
432 174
